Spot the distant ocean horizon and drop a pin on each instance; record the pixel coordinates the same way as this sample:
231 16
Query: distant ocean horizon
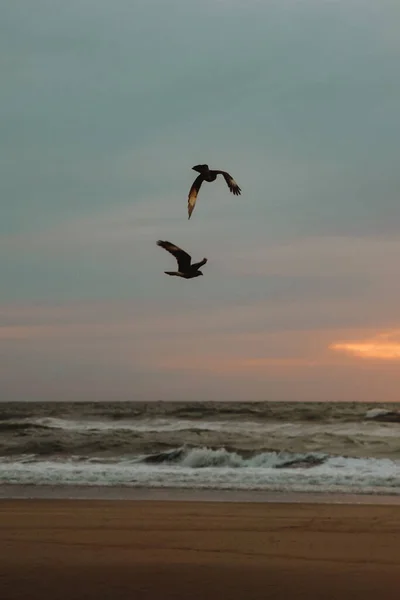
285 447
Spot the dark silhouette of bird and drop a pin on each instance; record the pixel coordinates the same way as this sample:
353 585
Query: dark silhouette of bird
185 268
207 174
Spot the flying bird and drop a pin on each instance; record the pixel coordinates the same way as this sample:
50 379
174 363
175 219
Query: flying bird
207 174
185 268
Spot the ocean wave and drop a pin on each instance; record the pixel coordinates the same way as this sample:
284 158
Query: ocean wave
194 471
245 446
264 411
49 436
200 458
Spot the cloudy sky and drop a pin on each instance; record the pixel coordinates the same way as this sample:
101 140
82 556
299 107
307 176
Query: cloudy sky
106 106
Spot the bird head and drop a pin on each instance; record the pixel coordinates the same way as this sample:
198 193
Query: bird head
200 168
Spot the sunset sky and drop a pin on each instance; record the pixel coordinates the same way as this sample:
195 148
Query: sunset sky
106 106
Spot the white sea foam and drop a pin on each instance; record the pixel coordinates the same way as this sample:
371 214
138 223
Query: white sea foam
210 469
202 447
50 436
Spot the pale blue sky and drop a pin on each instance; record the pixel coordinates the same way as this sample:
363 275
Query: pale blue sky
104 109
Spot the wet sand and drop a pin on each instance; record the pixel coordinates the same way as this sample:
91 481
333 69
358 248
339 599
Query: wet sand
110 549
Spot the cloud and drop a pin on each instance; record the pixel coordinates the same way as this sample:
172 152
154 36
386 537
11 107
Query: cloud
384 346
103 350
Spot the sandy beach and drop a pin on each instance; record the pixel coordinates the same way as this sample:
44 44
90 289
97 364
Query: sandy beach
84 549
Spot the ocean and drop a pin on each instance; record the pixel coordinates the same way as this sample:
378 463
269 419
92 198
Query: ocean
291 447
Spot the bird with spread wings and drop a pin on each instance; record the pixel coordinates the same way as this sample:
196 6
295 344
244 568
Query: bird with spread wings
186 269
207 174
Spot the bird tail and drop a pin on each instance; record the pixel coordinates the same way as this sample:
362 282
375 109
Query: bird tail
171 273
201 168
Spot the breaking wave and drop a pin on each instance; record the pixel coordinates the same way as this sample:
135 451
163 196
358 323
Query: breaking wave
204 468
200 458
266 446
49 436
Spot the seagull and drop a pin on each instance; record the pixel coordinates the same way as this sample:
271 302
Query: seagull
207 174
185 268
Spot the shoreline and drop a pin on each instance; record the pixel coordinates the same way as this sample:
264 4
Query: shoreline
101 493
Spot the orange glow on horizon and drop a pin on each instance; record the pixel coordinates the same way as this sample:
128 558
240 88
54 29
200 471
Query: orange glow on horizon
385 346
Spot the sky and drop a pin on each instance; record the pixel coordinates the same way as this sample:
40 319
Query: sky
104 109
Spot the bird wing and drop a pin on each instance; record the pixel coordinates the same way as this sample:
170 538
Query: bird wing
232 185
183 258
199 264
194 190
